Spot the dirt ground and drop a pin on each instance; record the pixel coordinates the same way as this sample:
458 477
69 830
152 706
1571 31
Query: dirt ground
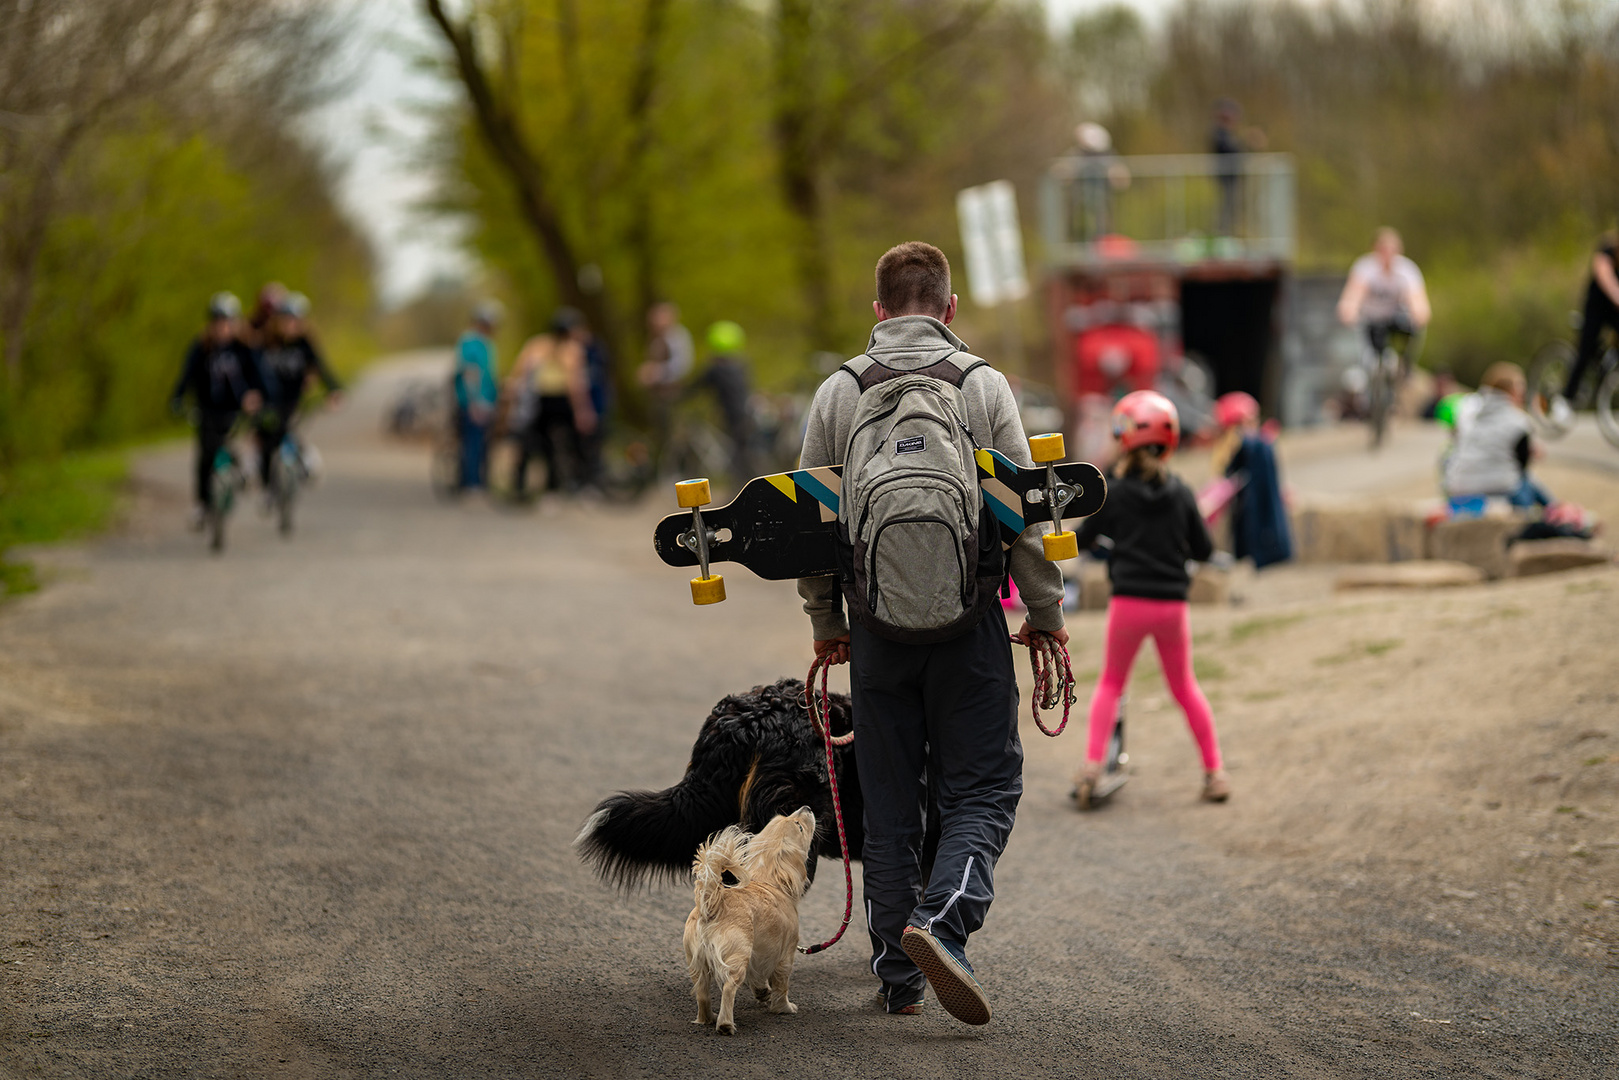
305 811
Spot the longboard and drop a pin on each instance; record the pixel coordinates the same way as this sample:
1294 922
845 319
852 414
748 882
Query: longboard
781 526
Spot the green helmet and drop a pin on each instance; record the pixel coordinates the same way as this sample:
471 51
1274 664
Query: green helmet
726 337
1445 411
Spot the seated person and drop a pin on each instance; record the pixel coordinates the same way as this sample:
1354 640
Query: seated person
1491 451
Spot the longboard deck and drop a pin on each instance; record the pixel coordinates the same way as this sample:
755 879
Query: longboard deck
781 526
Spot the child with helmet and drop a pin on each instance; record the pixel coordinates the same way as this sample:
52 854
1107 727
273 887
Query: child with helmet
1245 454
1152 519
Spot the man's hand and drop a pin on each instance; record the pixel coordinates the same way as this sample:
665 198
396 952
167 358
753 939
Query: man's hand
251 401
838 647
1025 632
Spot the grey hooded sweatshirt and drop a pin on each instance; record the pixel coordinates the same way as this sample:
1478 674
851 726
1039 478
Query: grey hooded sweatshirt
909 342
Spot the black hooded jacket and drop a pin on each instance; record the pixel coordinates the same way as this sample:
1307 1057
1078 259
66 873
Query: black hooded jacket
1155 529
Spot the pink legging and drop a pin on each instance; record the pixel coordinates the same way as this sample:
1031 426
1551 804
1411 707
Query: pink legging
1129 620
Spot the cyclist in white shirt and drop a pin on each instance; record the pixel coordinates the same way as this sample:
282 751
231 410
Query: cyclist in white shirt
1385 293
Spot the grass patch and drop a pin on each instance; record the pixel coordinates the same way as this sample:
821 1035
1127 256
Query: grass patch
1262 695
1359 649
1603 760
42 502
1206 669
1262 624
1579 587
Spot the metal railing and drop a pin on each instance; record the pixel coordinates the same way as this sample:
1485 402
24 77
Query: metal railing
1174 208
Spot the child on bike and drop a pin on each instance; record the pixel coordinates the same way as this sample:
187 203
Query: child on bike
222 376
1153 521
288 360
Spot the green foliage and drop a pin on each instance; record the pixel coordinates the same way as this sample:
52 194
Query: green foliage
43 501
901 103
157 218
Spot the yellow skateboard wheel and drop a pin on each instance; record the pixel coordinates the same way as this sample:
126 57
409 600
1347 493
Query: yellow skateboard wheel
711 589
690 493
1059 546
1044 448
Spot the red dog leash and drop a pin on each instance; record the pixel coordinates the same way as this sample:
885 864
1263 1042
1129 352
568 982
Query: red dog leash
1053 679
819 704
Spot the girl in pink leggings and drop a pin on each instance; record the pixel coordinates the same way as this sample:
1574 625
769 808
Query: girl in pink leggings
1155 528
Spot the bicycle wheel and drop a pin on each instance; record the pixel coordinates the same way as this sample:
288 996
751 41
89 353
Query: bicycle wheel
1608 405
1548 376
1381 395
502 476
445 468
284 480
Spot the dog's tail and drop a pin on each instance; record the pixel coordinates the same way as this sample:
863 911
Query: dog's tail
637 837
719 865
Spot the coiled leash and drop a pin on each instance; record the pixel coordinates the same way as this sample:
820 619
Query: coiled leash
818 702
1053 679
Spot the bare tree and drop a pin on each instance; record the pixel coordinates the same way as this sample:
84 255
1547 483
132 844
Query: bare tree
71 68
834 60
492 91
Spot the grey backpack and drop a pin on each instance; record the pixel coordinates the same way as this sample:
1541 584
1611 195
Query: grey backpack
920 559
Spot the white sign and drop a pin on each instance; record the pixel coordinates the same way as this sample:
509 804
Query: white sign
993 242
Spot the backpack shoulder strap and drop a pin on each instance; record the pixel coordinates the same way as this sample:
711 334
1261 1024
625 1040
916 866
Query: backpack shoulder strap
953 369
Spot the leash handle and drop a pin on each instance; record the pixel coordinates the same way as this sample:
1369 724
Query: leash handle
819 704
1053 672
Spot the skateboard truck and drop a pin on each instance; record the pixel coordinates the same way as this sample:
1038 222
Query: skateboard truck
709 588
1048 450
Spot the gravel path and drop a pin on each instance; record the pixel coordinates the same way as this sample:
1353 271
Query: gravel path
305 810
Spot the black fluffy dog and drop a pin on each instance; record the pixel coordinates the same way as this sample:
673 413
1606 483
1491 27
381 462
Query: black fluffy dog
758 755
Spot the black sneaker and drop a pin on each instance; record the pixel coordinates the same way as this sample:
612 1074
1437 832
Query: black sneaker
901 1000
949 975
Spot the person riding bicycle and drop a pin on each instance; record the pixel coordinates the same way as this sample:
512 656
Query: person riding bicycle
288 359
222 376
726 375
1601 312
475 390
1385 294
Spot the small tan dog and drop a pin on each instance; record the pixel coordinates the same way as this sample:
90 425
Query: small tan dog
747 932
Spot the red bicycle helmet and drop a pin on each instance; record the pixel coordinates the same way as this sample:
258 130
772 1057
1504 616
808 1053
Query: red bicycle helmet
1146 418
1235 409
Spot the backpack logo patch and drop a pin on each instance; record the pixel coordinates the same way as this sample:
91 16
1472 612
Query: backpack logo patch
913 445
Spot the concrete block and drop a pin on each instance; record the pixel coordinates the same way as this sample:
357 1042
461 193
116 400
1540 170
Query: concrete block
1412 574
1529 557
1210 585
1480 542
1094 588
1358 532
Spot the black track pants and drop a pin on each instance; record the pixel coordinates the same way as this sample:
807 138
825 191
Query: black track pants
212 428
950 708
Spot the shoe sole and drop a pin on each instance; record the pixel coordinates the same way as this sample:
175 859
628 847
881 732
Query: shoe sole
956 990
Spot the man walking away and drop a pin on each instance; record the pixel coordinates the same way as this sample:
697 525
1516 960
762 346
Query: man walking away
935 707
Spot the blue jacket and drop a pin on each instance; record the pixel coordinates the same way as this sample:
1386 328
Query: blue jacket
1259 528
474 371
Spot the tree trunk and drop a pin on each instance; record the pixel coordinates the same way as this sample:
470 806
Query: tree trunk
498 123
655 17
22 255
797 126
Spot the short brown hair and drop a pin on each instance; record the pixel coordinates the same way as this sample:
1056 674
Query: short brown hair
913 278
1503 375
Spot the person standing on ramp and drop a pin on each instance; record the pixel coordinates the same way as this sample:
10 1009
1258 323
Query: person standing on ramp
935 699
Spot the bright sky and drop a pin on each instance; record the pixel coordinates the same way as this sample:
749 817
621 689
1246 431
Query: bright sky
371 133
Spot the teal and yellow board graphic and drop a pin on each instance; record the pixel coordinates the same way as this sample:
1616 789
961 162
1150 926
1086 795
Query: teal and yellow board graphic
783 526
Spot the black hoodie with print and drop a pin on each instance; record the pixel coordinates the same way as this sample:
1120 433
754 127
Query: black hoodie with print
1155 528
